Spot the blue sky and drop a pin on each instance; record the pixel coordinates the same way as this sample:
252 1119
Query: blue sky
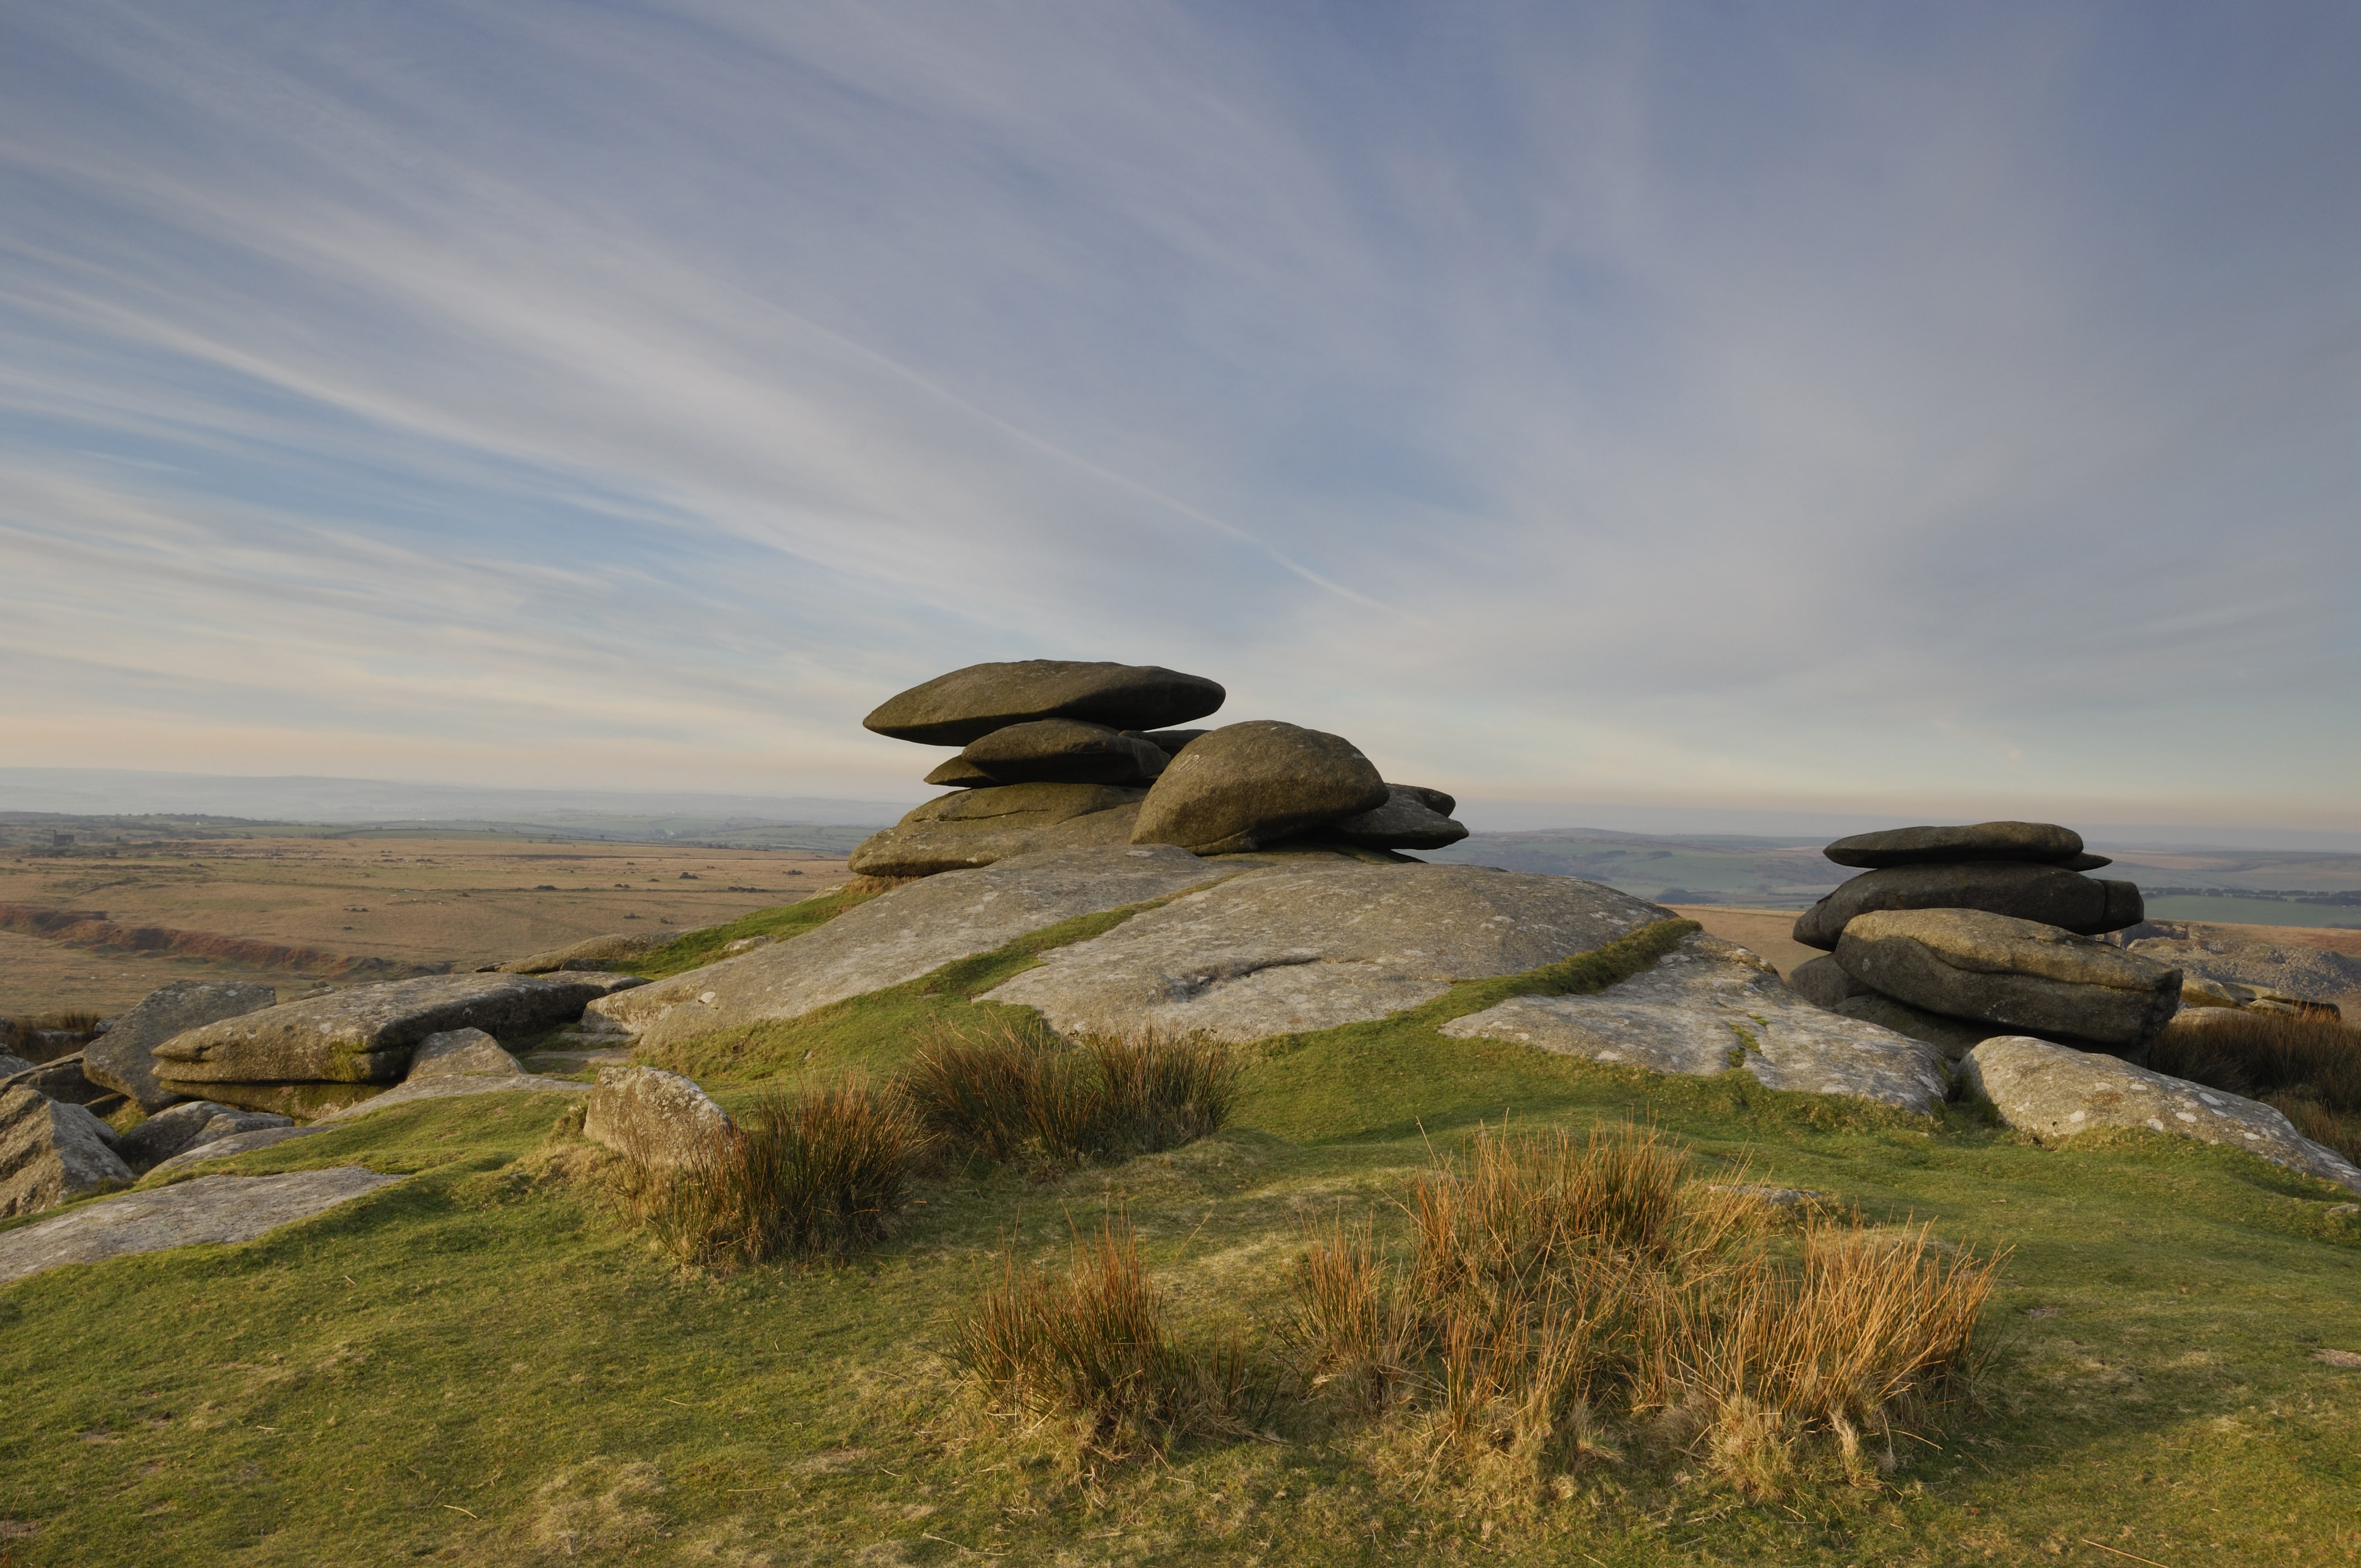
1908 410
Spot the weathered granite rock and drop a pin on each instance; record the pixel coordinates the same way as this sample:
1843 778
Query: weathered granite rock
1823 982
185 1126
901 935
2268 969
452 1086
50 1151
2196 993
13 1067
983 826
231 1147
959 774
1404 822
2043 841
2053 1091
1065 751
364 1034
1435 800
1318 943
214 1209
1711 1006
1169 741
123 1059
1246 785
591 953
1967 963
460 1052
62 1079
655 1117
969 704
2049 894
2086 861
1955 1037
305 1099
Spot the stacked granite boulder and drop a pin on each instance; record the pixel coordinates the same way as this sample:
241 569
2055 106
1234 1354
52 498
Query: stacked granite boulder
1057 754
1956 935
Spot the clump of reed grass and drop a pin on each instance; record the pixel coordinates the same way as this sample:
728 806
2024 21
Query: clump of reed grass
1013 1092
1092 1344
817 1175
2305 1065
1567 1296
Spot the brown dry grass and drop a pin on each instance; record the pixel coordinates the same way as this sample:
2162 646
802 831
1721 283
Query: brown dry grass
2306 1065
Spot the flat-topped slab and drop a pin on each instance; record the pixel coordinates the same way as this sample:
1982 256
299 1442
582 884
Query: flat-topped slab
969 704
213 1209
2044 841
902 935
1314 943
1710 1006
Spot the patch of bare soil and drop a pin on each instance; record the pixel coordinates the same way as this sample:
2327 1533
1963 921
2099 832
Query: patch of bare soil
1761 931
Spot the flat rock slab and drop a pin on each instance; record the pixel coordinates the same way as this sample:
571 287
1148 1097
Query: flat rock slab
2020 974
2049 894
971 703
902 935
2055 1091
2043 841
123 1059
1710 1005
364 1035
974 828
1315 943
212 1209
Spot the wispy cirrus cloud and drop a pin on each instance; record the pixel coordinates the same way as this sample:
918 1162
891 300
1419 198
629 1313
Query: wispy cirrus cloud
1829 409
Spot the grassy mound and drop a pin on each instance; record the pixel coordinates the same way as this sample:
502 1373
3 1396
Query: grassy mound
493 1362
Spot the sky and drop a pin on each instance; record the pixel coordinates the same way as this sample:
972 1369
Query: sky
1866 412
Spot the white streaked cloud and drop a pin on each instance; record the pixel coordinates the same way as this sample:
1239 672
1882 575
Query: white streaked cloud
1945 413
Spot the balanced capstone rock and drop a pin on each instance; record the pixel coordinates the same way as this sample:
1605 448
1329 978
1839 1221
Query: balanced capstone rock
969 704
1064 750
1246 785
2042 842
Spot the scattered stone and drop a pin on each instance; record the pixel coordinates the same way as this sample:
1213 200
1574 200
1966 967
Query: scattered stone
969 704
364 1034
1823 982
2337 1357
1169 741
1710 1006
2196 993
50 1151
1404 822
460 1052
976 827
62 1079
217 1210
2054 1092
123 1059
1064 750
901 935
172 1129
2044 841
592 953
959 774
13 1067
1967 963
655 1117
1313 943
1954 1036
2298 973
2049 894
1246 785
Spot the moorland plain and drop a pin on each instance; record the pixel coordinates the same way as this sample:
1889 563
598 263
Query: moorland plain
412 900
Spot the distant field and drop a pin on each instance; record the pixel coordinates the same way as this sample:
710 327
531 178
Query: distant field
413 901
2254 911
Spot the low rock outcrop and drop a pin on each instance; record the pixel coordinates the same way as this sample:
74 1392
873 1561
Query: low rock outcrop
1246 786
124 1057
213 1209
50 1151
969 704
1711 1006
460 1052
901 935
189 1125
655 1117
1967 963
1318 942
2054 1092
362 1036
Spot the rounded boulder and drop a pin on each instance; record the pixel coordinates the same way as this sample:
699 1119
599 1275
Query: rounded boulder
1245 785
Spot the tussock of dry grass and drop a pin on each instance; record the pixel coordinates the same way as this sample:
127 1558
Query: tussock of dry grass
1092 1344
805 1175
2306 1065
1566 1297
1014 1092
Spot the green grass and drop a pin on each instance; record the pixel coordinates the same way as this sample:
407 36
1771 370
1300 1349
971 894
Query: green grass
487 1360
703 946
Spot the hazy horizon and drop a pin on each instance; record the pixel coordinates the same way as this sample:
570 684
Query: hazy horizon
1813 413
